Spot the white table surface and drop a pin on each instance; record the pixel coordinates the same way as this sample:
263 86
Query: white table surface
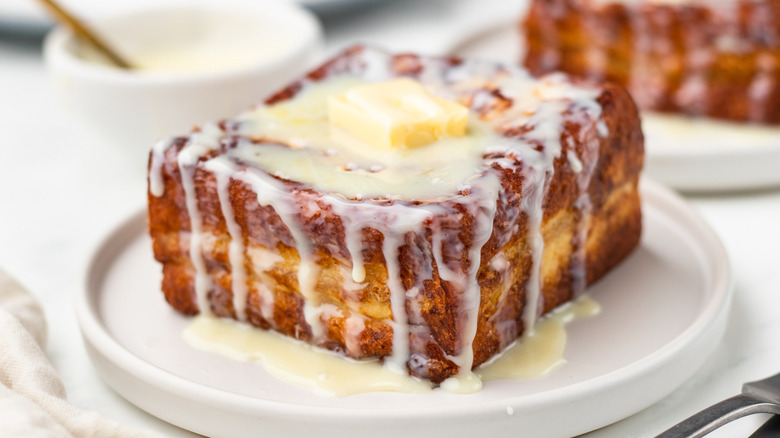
62 188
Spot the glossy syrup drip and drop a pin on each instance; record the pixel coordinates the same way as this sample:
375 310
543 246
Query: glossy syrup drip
398 221
236 249
547 120
483 210
198 145
409 177
400 322
156 184
271 192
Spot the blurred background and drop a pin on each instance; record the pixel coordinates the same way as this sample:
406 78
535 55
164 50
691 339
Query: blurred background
427 25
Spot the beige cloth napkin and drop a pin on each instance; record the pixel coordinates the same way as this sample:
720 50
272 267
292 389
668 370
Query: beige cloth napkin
32 396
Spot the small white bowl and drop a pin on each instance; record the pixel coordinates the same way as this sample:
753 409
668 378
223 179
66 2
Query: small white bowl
252 48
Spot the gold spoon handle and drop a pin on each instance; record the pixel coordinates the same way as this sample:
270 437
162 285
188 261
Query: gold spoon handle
82 31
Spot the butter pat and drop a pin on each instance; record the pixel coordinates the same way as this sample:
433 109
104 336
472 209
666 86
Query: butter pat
396 114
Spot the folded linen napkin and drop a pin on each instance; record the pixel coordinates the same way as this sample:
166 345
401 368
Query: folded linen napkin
32 396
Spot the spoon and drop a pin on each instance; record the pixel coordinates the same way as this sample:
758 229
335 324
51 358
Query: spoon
85 33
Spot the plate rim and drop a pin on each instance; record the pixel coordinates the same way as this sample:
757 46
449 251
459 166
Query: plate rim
95 333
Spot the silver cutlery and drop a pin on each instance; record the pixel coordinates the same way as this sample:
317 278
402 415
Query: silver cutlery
762 396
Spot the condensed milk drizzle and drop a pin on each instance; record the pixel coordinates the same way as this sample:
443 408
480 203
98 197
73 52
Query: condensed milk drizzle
156 184
199 144
400 321
331 375
270 192
400 195
236 248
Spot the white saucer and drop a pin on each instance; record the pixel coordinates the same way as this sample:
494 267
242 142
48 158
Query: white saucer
663 312
692 155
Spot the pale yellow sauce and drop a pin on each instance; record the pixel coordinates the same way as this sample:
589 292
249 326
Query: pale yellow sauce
540 353
330 159
332 375
204 57
195 42
325 372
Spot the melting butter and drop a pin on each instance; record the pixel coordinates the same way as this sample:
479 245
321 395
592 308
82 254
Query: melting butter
399 113
332 375
328 158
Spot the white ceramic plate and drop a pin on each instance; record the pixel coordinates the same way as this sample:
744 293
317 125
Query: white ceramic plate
663 312
693 155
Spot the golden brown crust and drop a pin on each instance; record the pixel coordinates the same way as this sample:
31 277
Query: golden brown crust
716 59
614 231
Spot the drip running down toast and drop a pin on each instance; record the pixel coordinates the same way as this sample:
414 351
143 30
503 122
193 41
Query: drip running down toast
714 58
433 258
